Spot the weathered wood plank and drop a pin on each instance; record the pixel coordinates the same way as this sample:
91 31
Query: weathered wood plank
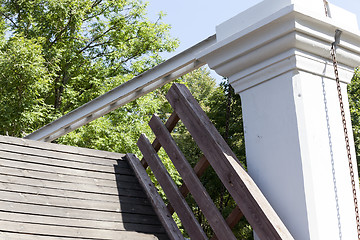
110 181
198 191
246 194
79 187
158 204
70 194
72 213
49 230
184 212
75 203
62 170
114 180
86 152
170 125
43 160
80 223
60 192
65 156
234 217
199 170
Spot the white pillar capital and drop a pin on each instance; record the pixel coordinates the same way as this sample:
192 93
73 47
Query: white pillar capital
278 36
277 56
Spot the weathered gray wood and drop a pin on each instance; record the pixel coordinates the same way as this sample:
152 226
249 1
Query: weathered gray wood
199 170
184 212
43 160
68 194
234 217
242 188
61 192
80 223
62 170
33 228
72 213
80 187
65 156
158 204
198 191
25 236
75 203
110 181
69 150
170 125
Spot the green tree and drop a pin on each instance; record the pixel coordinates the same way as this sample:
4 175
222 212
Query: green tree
82 47
354 102
24 81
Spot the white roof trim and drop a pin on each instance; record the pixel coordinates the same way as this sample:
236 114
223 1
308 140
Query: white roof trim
154 78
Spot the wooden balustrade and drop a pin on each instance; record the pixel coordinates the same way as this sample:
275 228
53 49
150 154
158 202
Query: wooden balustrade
250 201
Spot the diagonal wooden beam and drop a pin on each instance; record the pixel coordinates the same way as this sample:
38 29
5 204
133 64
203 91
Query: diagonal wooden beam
172 192
170 125
240 185
192 182
159 206
199 170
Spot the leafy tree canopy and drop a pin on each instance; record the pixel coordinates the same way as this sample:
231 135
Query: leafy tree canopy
59 54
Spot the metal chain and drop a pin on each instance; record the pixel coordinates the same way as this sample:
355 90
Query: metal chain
333 55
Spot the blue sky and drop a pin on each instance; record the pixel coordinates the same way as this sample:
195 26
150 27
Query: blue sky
194 20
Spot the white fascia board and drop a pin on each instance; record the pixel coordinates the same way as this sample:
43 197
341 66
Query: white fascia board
152 79
265 43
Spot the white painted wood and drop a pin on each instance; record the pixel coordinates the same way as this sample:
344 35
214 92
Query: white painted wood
156 77
279 61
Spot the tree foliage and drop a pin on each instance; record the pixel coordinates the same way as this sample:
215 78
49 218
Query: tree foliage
74 50
354 102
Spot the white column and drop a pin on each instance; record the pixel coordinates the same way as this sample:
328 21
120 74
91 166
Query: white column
277 57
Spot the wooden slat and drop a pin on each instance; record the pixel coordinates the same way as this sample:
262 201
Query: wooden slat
65 156
81 233
198 191
43 160
69 194
20 218
77 214
110 181
25 236
199 170
158 204
63 170
61 192
234 217
170 125
184 212
79 187
75 203
60 149
242 188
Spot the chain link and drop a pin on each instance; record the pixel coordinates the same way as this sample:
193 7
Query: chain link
333 55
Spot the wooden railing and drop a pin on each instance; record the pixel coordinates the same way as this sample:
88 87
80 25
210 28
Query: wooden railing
250 201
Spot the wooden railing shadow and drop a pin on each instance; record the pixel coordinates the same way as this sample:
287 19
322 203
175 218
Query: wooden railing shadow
250 201
137 213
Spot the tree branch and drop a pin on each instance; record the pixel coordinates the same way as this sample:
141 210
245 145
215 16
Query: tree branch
12 21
